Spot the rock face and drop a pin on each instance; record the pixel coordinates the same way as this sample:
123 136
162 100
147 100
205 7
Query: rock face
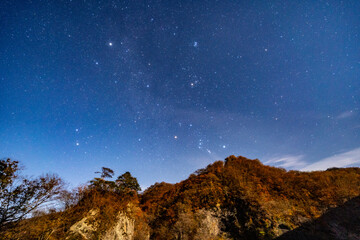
201 225
123 229
86 228
209 225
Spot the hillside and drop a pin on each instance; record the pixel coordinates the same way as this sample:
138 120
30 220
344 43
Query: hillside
337 223
237 198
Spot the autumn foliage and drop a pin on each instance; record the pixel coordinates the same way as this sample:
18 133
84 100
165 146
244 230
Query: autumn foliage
237 198
254 201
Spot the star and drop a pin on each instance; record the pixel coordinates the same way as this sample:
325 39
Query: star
214 82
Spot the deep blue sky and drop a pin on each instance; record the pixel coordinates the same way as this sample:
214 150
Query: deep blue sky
162 88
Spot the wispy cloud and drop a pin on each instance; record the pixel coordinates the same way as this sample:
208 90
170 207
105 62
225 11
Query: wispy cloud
345 159
287 161
345 114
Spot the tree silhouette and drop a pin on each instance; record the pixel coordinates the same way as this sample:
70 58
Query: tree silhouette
124 183
127 182
106 172
102 184
20 196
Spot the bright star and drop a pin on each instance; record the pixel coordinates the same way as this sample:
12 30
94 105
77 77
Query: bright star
110 43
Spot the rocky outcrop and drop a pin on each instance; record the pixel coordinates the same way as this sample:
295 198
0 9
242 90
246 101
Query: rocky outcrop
87 228
122 230
209 225
202 225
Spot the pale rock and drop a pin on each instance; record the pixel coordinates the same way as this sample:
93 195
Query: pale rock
122 230
86 227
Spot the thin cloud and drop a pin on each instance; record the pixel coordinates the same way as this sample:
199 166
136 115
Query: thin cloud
287 161
345 159
345 114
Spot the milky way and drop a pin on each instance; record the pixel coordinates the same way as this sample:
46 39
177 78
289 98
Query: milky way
162 88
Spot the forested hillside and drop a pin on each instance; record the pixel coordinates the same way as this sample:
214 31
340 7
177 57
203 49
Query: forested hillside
237 198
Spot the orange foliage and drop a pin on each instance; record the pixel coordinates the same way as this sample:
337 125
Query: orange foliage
251 199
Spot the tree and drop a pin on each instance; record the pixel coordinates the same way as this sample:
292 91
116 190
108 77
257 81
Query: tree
7 173
69 198
102 184
106 172
124 183
20 196
127 182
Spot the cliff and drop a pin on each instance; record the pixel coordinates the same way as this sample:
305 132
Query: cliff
87 228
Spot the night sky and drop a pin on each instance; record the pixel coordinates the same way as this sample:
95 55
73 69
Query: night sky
162 88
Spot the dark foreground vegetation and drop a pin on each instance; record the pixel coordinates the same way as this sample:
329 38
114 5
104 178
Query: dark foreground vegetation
237 198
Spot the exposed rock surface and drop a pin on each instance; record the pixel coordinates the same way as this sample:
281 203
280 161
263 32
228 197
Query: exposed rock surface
122 230
209 225
86 228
